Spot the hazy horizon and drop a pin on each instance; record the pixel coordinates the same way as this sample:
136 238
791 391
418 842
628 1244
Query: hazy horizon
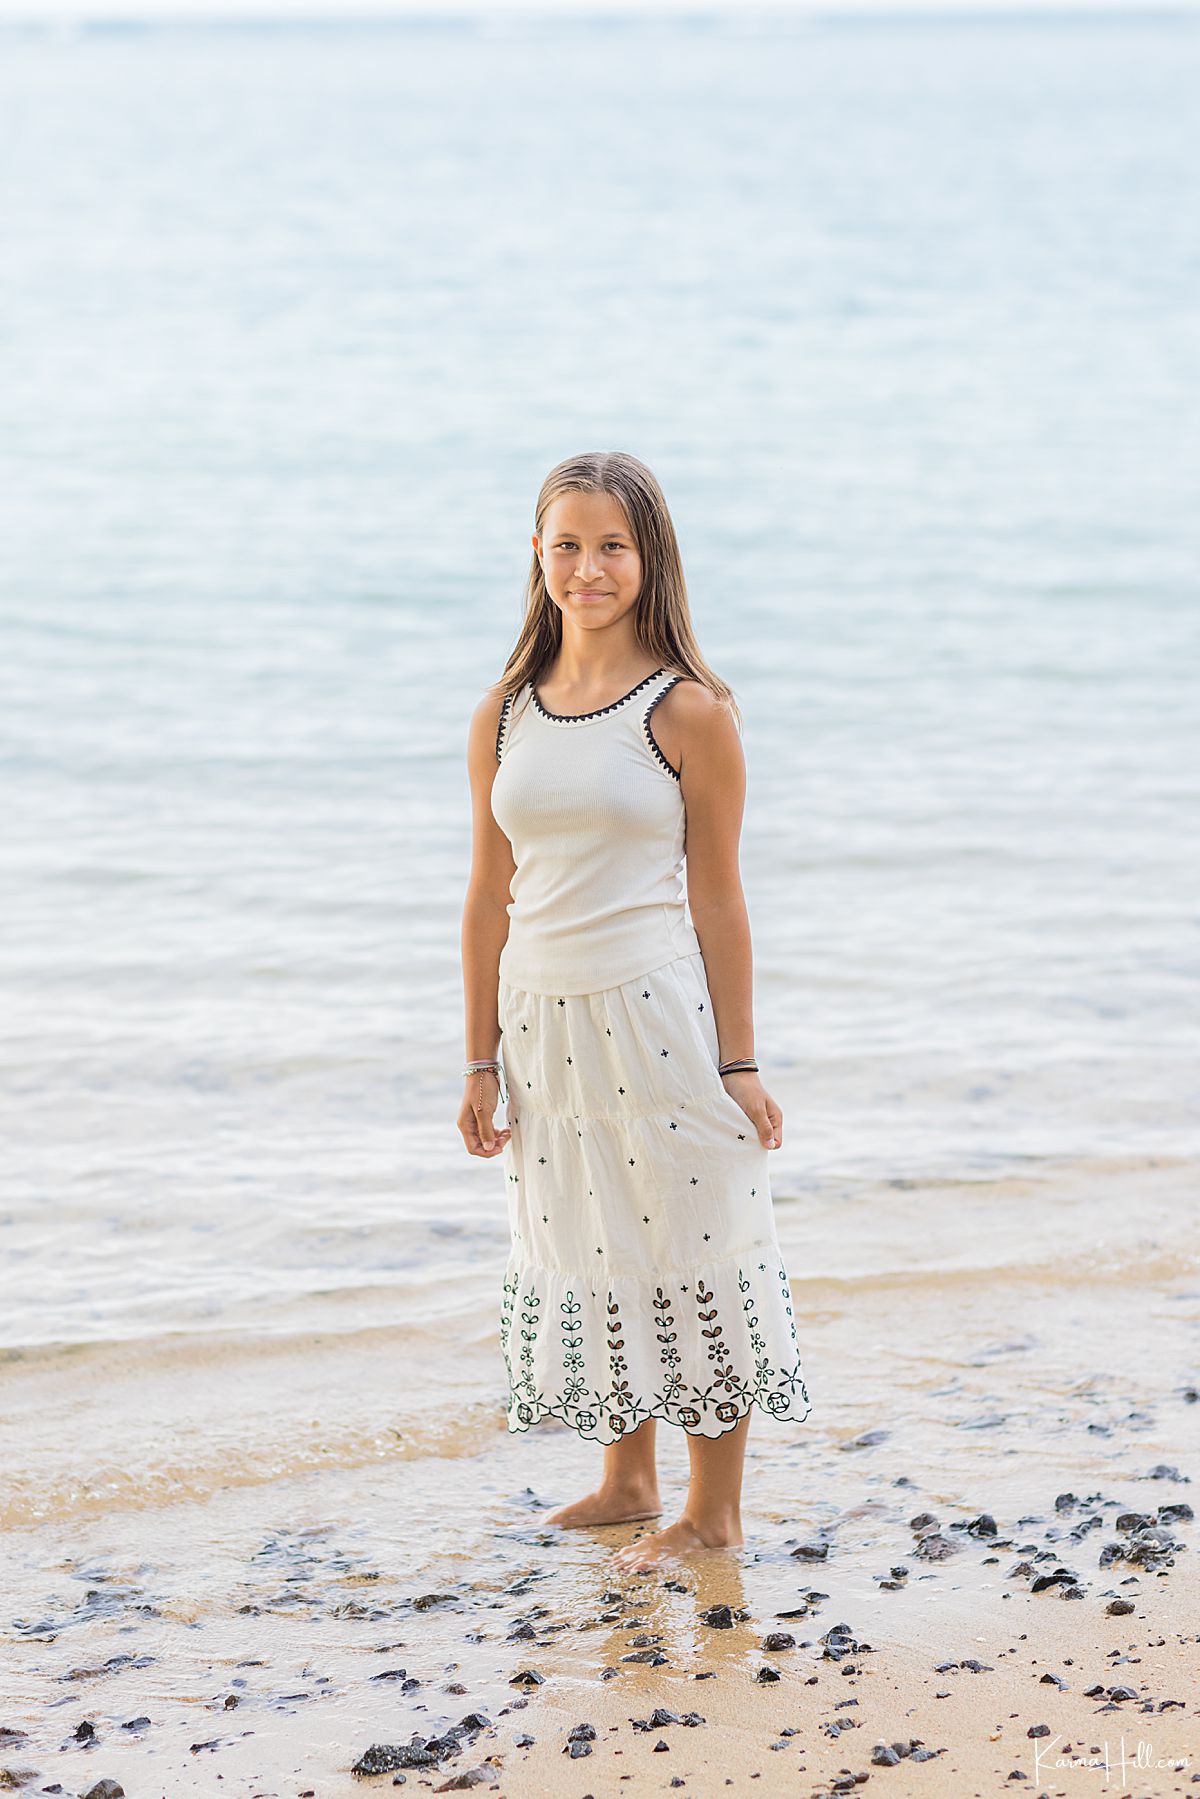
55 12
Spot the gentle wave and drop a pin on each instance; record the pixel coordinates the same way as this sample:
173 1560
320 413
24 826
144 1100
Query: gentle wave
1129 1267
445 1432
466 1322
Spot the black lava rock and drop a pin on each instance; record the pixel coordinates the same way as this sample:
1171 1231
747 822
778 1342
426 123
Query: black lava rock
1060 1577
383 1758
717 1617
933 1547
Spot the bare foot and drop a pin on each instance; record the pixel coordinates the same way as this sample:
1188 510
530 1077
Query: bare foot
680 1539
608 1506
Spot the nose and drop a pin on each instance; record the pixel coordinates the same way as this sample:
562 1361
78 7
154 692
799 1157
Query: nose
586 567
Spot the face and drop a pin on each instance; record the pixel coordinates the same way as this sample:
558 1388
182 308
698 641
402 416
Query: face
590 560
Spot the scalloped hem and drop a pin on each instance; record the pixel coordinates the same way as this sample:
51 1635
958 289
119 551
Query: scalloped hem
711 1427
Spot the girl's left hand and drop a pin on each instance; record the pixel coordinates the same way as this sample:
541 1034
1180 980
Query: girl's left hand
757 1104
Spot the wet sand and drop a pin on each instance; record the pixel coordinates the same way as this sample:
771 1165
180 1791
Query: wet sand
990 1566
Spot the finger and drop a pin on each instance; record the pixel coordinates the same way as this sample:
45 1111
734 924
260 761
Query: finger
490 1140
766 1129
775 1117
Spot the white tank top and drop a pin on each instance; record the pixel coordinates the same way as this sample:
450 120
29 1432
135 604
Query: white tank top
595 816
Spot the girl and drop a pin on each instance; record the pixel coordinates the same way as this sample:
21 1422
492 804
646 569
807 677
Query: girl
645 1280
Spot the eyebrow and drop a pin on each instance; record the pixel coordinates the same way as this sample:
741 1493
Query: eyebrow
567 533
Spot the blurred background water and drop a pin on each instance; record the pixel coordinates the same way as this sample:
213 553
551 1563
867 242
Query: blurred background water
903 313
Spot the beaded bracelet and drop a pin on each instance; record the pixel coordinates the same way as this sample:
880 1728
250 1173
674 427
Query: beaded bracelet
483 1067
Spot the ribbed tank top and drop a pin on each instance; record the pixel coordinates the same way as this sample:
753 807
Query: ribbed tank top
595 816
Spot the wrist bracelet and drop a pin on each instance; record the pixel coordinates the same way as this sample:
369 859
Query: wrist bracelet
742 1065
483 1067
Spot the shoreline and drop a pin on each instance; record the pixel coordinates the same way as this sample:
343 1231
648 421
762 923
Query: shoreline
275 1636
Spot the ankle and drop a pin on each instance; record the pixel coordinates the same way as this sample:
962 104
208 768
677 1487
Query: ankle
713 1524
630 1486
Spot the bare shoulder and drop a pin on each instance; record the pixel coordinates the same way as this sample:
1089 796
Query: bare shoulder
693 703
691 724
484 728
694 713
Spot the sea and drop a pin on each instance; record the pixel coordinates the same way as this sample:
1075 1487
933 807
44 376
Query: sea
294 319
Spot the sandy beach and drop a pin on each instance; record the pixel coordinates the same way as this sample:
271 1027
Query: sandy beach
1005 1580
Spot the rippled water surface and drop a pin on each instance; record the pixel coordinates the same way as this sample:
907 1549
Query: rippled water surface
903 314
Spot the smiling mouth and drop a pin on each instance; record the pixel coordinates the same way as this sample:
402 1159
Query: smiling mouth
591 593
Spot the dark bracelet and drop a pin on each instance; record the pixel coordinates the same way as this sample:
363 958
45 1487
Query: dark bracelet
745 1065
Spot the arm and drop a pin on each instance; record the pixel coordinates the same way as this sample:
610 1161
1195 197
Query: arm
484 931
700 738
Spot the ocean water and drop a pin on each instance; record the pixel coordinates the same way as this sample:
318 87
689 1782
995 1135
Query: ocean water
903 314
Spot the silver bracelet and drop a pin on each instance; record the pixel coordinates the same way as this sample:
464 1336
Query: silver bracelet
483 1067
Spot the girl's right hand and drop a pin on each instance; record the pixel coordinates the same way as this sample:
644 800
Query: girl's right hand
475 1121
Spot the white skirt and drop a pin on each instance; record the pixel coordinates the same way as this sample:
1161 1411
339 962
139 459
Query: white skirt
644 1278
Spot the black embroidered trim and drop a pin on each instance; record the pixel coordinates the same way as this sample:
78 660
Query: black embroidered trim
725 1397
502 727
651 745
575 718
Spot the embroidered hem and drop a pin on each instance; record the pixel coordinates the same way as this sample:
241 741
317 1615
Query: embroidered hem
697 1353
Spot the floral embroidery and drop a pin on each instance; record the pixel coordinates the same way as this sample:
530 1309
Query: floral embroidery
620 1406
526 1385
506 1313
608 1415
698 1342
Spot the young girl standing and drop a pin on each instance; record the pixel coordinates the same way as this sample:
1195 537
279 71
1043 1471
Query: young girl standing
645 1280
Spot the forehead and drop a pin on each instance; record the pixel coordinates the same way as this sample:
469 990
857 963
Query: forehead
586 515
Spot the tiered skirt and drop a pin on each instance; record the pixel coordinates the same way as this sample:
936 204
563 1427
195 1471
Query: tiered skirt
644 1278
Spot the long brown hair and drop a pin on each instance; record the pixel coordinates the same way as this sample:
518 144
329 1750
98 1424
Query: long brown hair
662 618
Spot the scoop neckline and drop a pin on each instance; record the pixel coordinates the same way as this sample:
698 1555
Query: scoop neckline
571 718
